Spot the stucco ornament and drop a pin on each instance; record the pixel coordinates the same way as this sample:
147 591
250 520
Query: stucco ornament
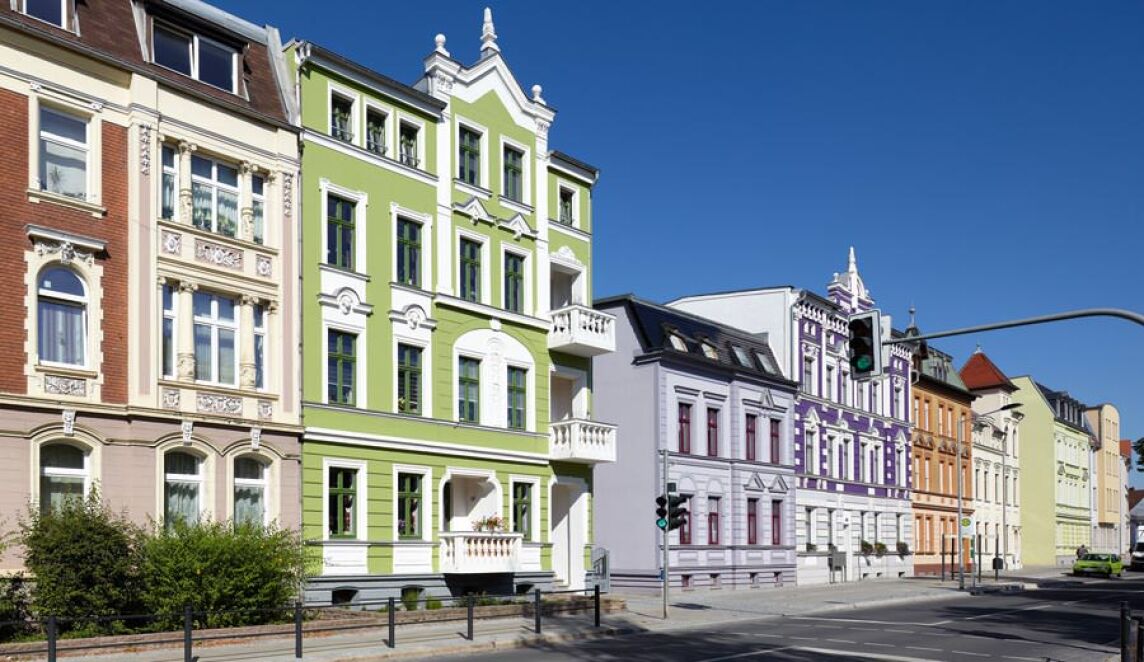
188 429
415 317
56 385
212 403
262 266
218 255
255 438
170 398
265 409
69 422
172 242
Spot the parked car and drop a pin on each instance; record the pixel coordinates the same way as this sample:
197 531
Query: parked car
1098 564
1137 560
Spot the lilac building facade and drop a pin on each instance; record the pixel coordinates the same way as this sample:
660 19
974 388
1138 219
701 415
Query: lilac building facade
851 438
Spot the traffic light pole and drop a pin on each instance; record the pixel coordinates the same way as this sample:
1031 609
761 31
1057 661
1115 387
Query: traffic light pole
666 538
1027 321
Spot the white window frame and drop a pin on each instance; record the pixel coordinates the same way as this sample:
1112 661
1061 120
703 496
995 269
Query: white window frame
404 118
426 509
200 480
215 323
529 394
173 172
260 331
397 212
387 130
257 200
361 216
58 472
426 371
575 204
215 185
534 498
361 501
525 172
65 6
267 465
84 301
359 360
486 266
483 131
43 136
526 307
171 315
356 125
194 48
90 447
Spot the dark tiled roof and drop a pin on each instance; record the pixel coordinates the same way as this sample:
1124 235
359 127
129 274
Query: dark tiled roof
432 103
981 373
592 170
654 325
109 32
1134 497
1059 400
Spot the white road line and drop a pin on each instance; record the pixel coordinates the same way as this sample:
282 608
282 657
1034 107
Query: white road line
924 648
896 630
874 643
863 620
973 654
761 651
802 638
843 641
1018 657
830 627
1007 611
864 656
866 629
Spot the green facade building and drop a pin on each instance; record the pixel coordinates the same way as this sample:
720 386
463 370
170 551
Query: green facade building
447 340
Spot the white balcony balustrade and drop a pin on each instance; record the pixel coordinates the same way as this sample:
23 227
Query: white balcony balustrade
584 441
474 552
582 331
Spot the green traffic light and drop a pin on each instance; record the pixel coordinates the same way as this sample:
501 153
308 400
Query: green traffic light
661 523
864 363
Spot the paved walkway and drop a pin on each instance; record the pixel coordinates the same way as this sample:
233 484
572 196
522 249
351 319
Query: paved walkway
689 610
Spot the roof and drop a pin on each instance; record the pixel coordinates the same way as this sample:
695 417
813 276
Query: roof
428 102
1125 448
1059 402
110 33
592 170
655 325
980 373
937 366
1134 497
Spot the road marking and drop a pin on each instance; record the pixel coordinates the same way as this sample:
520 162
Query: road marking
866 629
802 638
973 654
843 641
863 620
1007 611
761 651
896 630
830 627
1018 657
864 656
873 643
924 648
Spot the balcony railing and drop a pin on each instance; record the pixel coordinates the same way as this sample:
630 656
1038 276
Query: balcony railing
474 552
582 331
578 440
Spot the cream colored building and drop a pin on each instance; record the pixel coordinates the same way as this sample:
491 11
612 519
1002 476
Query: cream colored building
1108 484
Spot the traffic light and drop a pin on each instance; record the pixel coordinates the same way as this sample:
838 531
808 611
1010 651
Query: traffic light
661 511
866 345
676 512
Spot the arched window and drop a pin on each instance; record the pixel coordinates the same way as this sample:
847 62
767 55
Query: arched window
250 490
62 317
182 487
63 475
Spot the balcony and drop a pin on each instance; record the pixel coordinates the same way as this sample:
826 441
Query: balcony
582 441
473 552
582 331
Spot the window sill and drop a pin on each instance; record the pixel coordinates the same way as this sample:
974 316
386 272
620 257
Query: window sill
207 235
480 192
342 271
516 205
218 388
37 196
66 370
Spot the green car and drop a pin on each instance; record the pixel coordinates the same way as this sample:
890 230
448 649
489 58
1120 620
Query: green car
1098 564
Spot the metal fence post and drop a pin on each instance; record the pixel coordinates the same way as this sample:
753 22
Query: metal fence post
188 625
1125 631
596 602
298 629
469 602
392 612
536 607
53 632
1140 640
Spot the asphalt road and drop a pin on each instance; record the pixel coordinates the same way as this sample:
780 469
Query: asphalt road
1067 619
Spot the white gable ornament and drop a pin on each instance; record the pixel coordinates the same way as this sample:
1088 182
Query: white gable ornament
518 226
779 486
755 483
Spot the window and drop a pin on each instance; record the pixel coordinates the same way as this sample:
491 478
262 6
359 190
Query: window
167 195
215 331
829 394
408 253
713 432
339 232
468 390
685 529
513 282
469 157
258 207
409 145
182 487
516 397
194 56
808 375
408 379
751 441
522 509
470 270
375 131
567 206
513 173
752 521
62 317
409 506
341 505
776 522
713 520
684 420
677 342
168 331
249 491
341 364
51 11
811 452
214 194
63 475
63 154
776 450
341 118
709 351
259 346
741 356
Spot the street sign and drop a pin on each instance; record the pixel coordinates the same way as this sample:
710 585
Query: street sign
967 526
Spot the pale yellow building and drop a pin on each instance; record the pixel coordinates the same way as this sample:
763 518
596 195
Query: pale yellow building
1108 485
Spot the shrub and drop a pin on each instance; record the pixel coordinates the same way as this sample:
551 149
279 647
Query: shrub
903 548
84 559
811 547
432 603
246 571
14 608
410 595
867 548
879 549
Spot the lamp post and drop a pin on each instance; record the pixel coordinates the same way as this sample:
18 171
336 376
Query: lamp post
961 489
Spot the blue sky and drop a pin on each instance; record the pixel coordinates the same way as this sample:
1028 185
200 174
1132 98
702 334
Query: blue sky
985 159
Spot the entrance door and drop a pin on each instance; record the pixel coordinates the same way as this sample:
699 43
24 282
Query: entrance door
568 534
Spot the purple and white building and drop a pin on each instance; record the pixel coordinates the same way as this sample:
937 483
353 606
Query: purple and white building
851 438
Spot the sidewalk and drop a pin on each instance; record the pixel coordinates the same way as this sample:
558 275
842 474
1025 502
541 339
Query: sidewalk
689 610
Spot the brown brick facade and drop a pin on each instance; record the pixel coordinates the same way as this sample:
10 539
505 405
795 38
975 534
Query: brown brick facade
17 212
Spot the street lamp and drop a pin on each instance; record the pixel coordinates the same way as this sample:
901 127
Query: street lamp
961 488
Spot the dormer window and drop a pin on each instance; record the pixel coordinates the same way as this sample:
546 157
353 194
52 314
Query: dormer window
677 342
194 56
51 11
375 131
409 147
741 356
710 352
341 118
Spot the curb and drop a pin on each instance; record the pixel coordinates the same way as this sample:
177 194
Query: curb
488 646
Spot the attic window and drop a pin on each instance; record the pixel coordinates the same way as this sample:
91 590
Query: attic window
677 342
766 362
195 56
51 11
741 356
710 352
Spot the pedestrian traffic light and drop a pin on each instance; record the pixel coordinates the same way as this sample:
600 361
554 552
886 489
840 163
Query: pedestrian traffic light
661 511
676 512
866 345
